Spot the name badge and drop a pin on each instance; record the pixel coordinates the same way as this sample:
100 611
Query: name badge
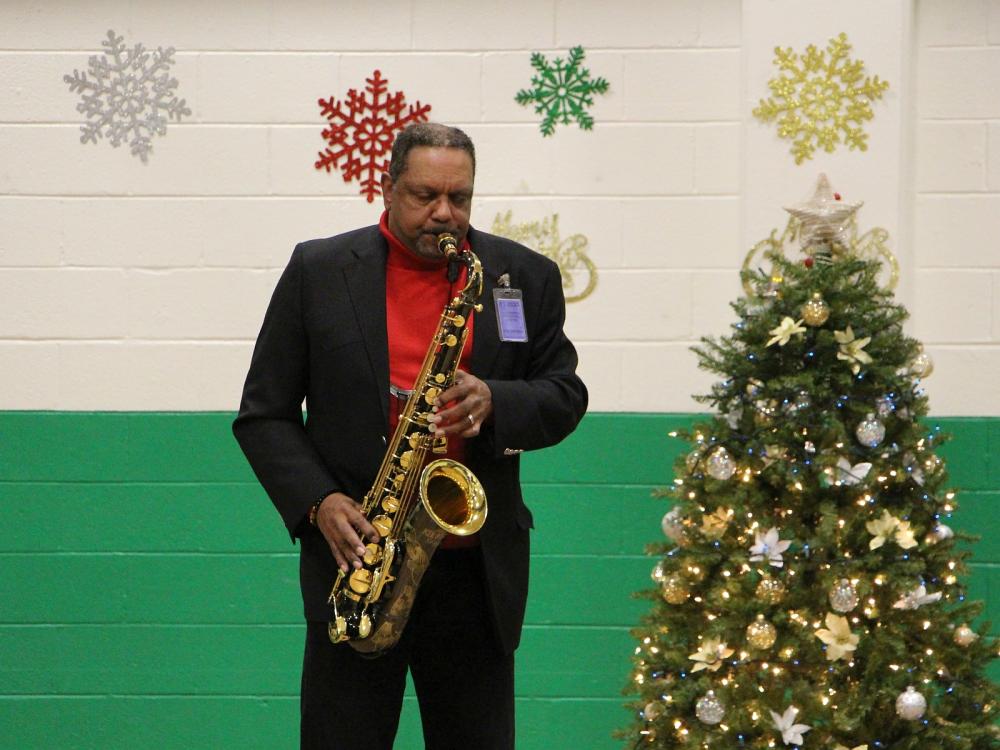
510 315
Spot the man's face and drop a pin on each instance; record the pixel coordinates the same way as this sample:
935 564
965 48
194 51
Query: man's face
431 196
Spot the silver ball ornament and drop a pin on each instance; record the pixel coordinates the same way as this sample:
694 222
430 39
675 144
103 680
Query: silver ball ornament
709 708
870 432
910 704
720 464
672 527
843 596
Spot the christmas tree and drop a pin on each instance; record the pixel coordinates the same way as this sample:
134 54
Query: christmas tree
811 592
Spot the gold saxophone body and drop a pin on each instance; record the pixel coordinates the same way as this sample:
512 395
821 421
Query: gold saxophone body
371 604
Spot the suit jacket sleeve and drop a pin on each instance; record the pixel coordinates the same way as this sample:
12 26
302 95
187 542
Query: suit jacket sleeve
269 427
545 405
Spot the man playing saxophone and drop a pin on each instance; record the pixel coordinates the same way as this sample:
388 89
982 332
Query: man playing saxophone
347 332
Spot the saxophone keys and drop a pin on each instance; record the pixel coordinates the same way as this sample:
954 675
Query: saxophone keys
451 340
440 378
337 630
382 524
373 553
479 308
458 320
432 393
364 626
361 580
390 503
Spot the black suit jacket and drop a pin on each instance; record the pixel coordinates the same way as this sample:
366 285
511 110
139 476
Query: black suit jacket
324 340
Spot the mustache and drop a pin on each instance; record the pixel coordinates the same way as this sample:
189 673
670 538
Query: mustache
436 231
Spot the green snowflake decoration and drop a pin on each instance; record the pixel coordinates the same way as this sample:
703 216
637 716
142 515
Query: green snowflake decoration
562 91
822 99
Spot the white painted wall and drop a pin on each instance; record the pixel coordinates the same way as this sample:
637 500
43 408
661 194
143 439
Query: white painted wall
131 286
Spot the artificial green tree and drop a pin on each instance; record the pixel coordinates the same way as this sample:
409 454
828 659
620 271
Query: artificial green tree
811 592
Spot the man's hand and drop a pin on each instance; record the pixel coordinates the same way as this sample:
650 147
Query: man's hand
345 528
470 405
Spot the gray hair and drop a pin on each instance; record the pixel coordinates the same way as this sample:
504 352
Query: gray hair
427 134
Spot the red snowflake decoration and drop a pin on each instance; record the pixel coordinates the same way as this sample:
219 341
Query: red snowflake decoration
362 131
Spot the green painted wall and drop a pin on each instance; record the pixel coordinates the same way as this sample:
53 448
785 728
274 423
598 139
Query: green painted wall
150 594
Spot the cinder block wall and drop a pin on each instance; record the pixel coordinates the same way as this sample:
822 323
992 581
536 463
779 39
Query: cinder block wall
152 586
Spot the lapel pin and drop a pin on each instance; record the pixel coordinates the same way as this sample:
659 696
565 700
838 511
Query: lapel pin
504 281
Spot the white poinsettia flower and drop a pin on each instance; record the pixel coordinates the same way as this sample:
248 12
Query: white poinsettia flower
882 529
710 655
852 349
768 547
791 733
783 333
917 598
851 475
837 636
904 535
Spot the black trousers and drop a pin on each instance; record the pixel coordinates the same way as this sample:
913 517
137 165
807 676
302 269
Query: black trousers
464 683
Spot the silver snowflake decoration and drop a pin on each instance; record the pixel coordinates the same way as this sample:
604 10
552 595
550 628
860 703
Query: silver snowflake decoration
562 91
130 96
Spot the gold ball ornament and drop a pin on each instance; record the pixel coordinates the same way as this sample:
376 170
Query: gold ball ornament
675 590
965 636
653 710
761 634
815 312
692 571
770 590
922 365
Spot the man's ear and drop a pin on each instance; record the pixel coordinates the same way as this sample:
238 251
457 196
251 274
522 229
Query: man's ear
386 190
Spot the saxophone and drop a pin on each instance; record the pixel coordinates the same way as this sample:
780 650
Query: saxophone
372 603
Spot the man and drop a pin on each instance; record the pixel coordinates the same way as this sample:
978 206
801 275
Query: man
346 330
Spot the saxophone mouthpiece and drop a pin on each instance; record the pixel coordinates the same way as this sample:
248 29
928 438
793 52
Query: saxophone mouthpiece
448 245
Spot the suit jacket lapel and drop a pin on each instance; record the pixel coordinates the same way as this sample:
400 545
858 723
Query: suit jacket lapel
485 339
365 281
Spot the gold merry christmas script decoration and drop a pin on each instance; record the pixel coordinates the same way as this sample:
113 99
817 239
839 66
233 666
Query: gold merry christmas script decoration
579 274
820 98
824 225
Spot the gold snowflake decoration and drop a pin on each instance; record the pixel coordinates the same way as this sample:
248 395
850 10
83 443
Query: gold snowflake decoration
579 274
823 98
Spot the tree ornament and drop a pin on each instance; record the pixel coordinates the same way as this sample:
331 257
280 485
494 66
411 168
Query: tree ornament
770 590
910 704
362 129
840 641
713 525
673 528
922 365
692 571
939 534
754 387
766 409
691 460
870 432
675 590
815 312
783 333
709 709
965 636
659 573
761 634
767 547
851 475
852 349
843 596
791 733
917 598
884 406
710 654
653 710
720 464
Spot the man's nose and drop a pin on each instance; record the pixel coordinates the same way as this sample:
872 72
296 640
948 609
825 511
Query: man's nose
442 210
